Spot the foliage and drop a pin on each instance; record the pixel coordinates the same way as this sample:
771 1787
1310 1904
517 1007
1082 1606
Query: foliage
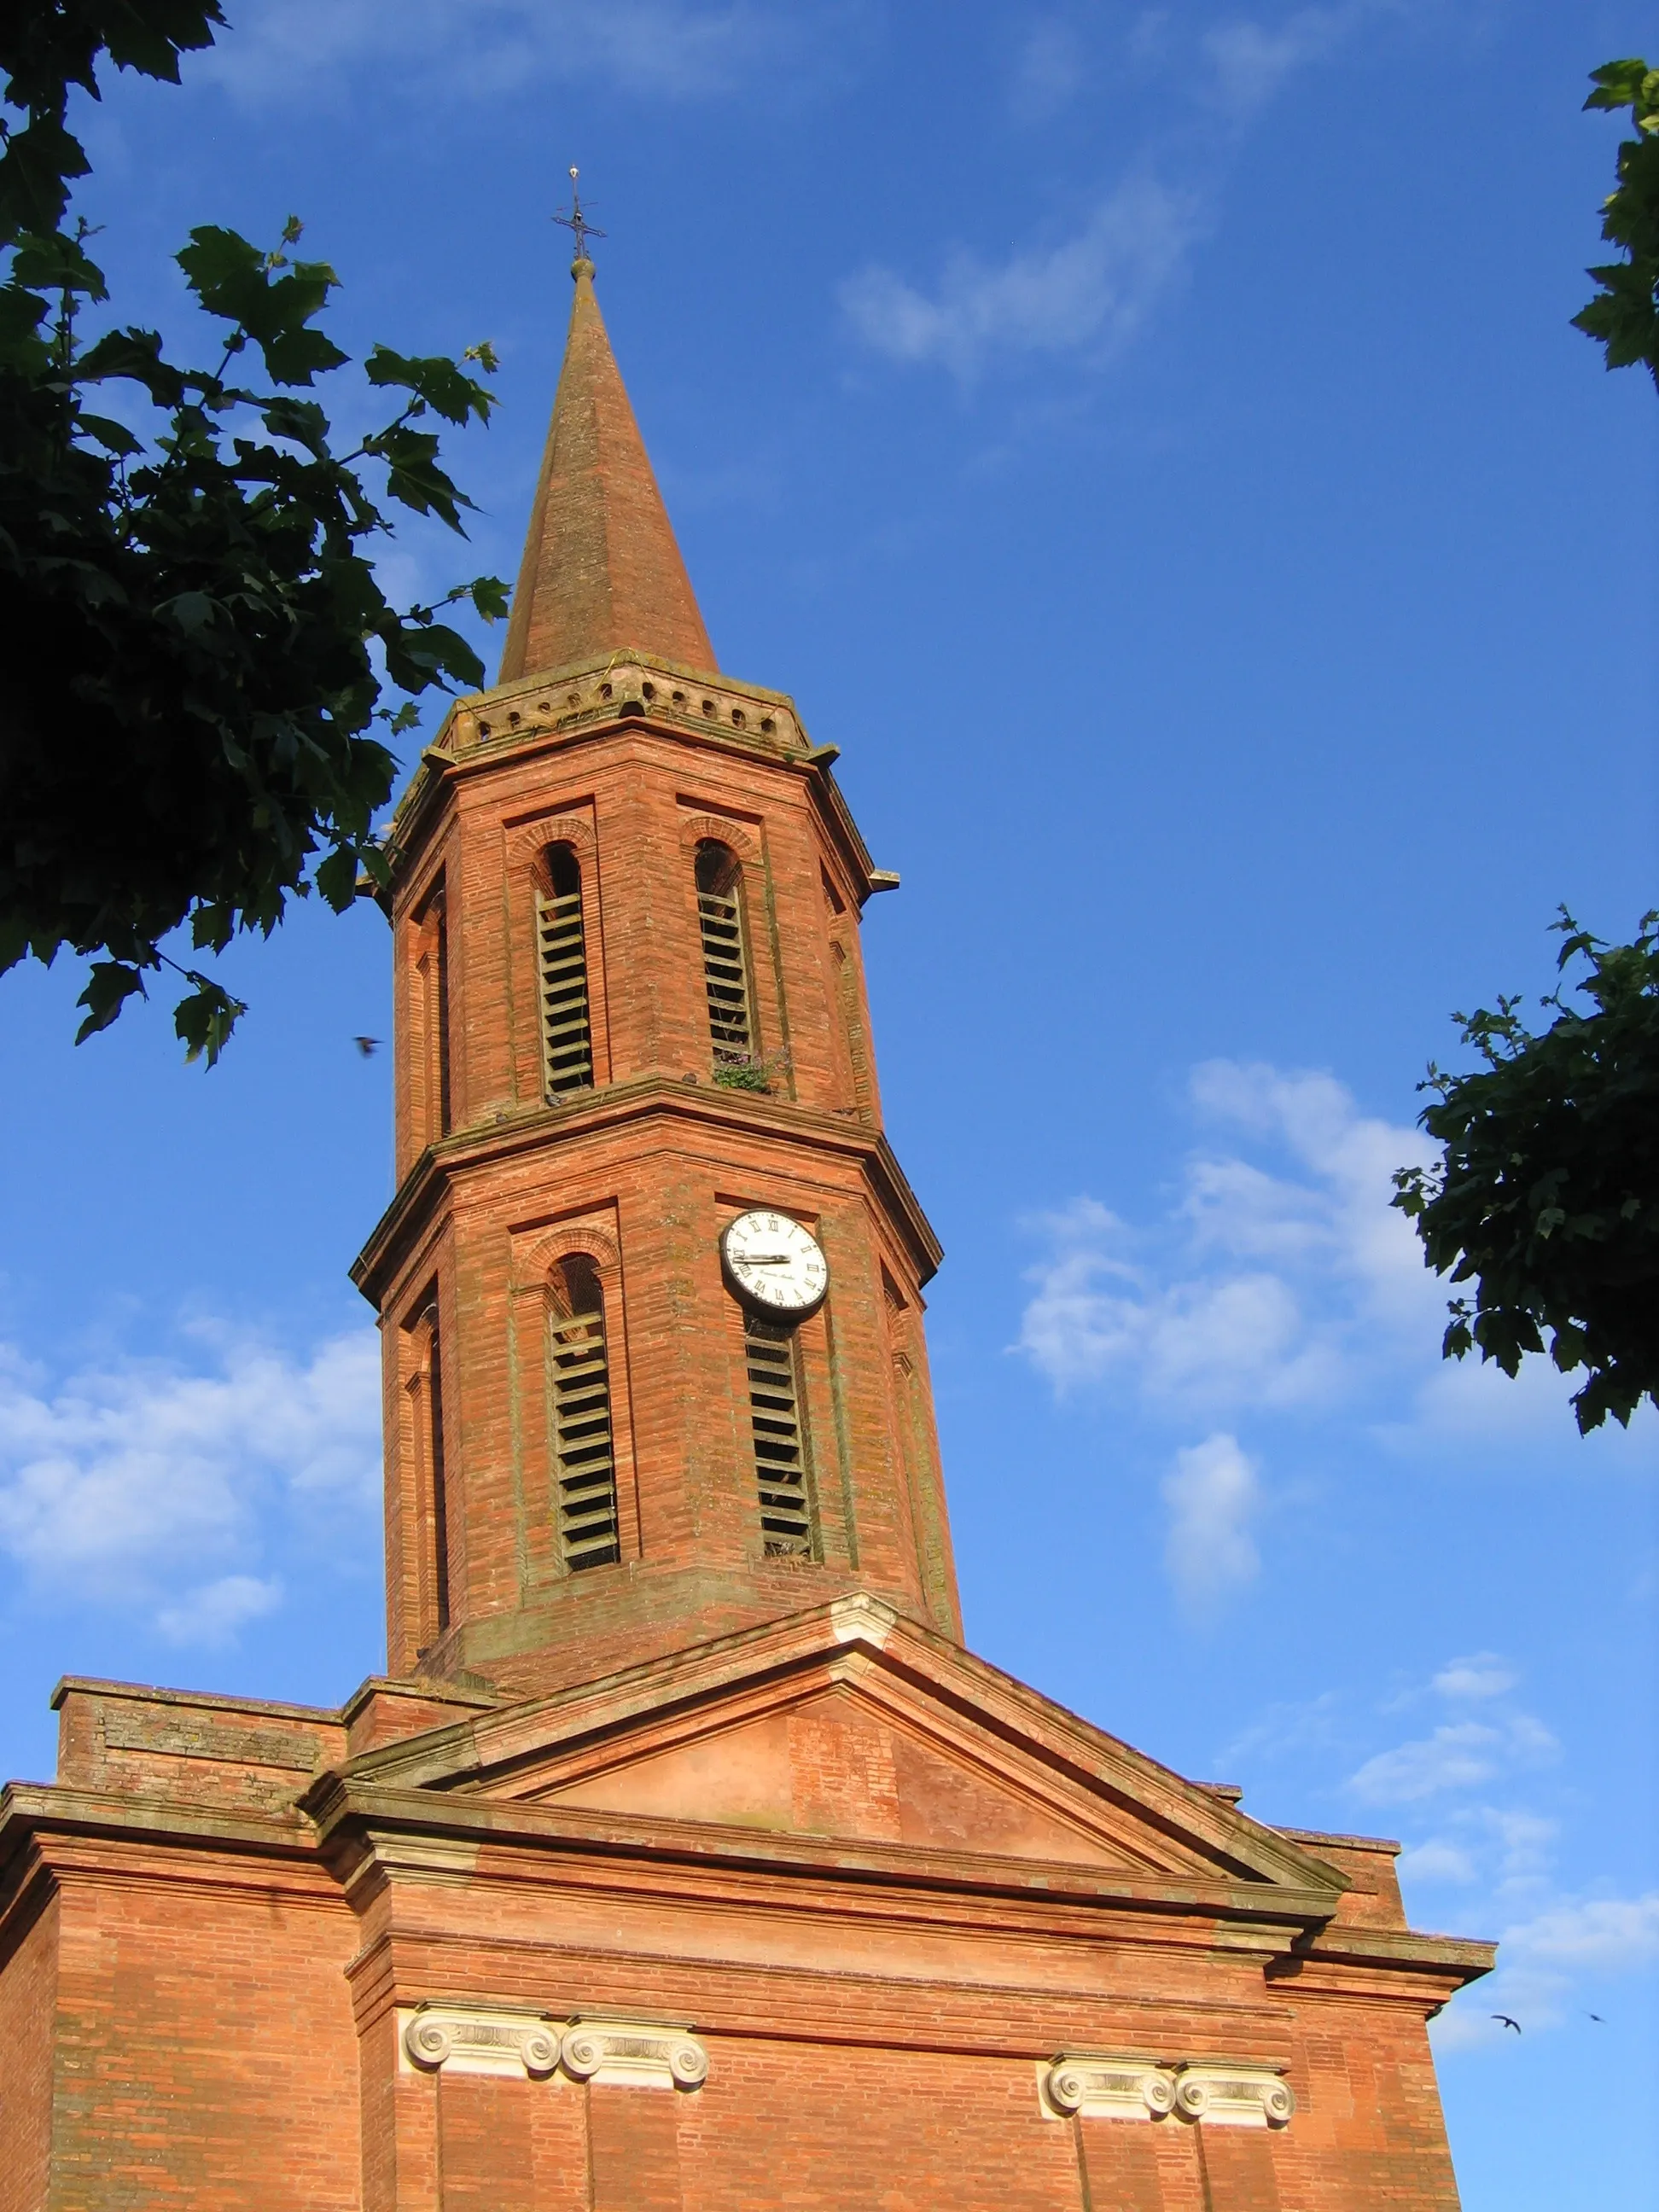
195 643
1547 1193
1623 318
749 1070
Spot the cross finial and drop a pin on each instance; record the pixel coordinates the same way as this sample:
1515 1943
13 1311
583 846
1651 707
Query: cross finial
576 222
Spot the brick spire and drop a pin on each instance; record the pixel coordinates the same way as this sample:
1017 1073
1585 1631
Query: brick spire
601 571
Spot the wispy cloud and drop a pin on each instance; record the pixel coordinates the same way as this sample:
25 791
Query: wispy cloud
1260 1289
1545 1960
1212 1495
1087 294
1459 1755
1249 60
131 1481
670 50
1049 71
214 1614
1482 1675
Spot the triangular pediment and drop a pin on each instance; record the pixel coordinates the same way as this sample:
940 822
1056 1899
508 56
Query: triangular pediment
851 1725
838 1762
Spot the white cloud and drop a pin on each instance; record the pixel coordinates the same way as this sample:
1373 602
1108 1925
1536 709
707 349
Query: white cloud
1249 61
1617 1932
125 1482
1542 1961
1273 1290
1288 1281
1482 1674
1455 1756
664 49
1212 1495
1461 1755
213 1614
1436 1861
1049 70
1086 295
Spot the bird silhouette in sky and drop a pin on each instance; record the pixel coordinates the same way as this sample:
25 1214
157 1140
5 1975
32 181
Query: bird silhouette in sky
1596 2017
1505 2021
367 1046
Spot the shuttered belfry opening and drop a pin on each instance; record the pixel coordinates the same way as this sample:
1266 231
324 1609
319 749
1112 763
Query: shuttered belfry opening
579 1369
724 956
561 951
439 1486
776 1413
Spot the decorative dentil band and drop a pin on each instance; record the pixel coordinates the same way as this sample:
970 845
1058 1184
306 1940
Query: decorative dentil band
1227 2096
480 2039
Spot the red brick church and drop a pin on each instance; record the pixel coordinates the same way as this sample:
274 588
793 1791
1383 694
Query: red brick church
684 1860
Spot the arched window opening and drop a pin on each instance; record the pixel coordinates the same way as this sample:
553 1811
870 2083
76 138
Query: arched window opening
777 1419
585 1465
561 951
431 1012
435 1460
852 1019
724 954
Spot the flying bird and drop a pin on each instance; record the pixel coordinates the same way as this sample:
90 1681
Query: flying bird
1505 2021
1596 2017
367 1046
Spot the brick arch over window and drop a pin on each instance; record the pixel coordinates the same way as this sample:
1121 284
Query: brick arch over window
581 1426
526 847
534 1264
553 875
719 829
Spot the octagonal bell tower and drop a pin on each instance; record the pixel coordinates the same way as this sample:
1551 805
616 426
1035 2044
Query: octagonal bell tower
629 1009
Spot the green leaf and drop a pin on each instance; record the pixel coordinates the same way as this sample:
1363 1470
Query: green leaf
413 476
235 281
114 437
34 172
204 1018
437 381
57 263
490 597
1617 84
109 986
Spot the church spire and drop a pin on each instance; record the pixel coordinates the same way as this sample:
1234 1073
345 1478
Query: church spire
601 571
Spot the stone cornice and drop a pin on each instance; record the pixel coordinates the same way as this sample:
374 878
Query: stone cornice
753 1662
619 1104
357 1818
546 713
30 1808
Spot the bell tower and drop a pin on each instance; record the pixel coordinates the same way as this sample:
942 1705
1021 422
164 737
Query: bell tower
650 1289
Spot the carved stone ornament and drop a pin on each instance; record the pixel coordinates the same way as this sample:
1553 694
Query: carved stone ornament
641 2053
1234 2096
1111 2088
477 2041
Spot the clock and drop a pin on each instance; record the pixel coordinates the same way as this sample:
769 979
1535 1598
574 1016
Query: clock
775 1262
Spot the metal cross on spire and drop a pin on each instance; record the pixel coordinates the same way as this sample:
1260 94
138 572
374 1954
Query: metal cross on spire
576 222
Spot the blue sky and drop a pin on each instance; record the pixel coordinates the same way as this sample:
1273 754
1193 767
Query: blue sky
1150 441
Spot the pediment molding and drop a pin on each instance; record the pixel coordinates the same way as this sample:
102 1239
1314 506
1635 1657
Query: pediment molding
1093 1801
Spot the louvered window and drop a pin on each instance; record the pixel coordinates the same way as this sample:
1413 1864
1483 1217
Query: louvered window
775 1413
434 1414
725 955
562 950
584 1458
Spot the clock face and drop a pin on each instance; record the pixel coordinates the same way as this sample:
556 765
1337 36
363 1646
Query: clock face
774 1261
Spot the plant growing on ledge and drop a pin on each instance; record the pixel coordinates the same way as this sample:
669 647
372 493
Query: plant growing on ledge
749 1070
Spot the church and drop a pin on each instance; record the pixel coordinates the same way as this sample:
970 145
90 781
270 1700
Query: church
685 1859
